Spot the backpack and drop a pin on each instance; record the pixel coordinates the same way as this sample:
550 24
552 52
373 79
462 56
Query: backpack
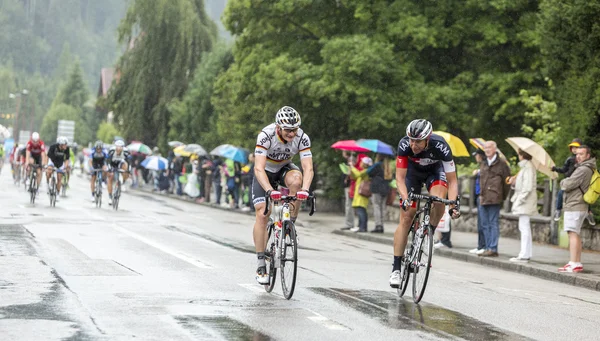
591 195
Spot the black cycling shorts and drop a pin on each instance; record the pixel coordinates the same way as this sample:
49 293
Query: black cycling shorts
275 179
37 159
416 178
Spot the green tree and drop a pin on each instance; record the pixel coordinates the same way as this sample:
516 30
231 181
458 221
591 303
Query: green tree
74 92
570 42
193 117
64 112
170 37
107 132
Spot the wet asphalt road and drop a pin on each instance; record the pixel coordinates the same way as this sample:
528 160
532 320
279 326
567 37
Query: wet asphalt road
162 269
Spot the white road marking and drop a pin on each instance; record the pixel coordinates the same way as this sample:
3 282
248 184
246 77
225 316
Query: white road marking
325 322
165 249
255 287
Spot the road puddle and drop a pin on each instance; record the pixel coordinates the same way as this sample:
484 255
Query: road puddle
398 313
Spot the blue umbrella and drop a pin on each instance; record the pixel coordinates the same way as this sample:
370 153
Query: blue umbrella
231 152
155 163
376 146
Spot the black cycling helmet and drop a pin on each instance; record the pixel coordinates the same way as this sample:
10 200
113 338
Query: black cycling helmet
419 129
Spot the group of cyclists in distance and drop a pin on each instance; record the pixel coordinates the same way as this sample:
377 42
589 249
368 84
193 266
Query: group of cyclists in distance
423 158
60 157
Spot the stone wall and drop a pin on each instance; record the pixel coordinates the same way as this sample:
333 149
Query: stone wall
541 227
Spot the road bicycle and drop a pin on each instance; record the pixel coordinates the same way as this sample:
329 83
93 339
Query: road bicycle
281 251
98 187
65 184
417 257
33 184
117 186
52 187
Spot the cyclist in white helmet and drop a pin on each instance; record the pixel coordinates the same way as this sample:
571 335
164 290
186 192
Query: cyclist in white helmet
59 158
276 145
117 158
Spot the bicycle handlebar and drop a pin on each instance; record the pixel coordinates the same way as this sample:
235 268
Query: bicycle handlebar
413 196
291 198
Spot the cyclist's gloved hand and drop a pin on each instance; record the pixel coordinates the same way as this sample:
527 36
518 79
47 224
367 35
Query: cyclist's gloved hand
275 195
454 212
302 195
405 204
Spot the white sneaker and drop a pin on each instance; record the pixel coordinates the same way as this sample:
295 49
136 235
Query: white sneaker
480 251
519 260
354 229
473 250
93 199
395 279
439 245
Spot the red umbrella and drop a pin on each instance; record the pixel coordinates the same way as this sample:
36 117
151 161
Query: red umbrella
349 145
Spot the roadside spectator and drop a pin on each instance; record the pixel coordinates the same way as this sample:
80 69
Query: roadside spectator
348 193
494 174
207 166
361 201
479 155
567 169
247 179
575 207
380 173
216 170
524 203
177 171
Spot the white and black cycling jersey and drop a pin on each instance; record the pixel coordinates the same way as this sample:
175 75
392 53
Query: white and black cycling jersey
278 151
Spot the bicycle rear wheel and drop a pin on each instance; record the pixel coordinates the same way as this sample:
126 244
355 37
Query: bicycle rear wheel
422 264
63 187
289 259
270 251
404 269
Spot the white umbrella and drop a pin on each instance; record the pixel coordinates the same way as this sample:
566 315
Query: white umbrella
540 158
155 163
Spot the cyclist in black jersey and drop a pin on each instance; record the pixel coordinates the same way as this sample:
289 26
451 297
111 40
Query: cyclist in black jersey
423 159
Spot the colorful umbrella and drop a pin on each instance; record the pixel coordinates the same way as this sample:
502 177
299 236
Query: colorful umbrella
477 142
540 158
376 146
349 145
175 144
195 149
155 163
456 145
231 152
139 148
181 152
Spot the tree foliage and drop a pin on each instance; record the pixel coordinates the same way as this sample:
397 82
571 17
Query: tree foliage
170 37
570 44
64 112
107 132
193 117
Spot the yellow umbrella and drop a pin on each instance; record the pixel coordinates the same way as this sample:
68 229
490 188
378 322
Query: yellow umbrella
179 151
540 158
456 144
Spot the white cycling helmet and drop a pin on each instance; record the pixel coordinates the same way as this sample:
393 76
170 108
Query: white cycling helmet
419 129
62 140
119 143
35 136
288 118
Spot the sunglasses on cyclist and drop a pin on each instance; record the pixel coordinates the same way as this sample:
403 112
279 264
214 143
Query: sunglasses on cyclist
289 131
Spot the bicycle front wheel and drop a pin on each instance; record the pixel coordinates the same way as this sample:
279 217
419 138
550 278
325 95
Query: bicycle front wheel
53 192
270 251
422 264
116 196
404 268
33 189
289 259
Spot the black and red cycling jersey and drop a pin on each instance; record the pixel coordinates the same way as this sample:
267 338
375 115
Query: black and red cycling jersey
36 149
437 152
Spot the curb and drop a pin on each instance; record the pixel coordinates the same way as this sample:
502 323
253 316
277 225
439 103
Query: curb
578 280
